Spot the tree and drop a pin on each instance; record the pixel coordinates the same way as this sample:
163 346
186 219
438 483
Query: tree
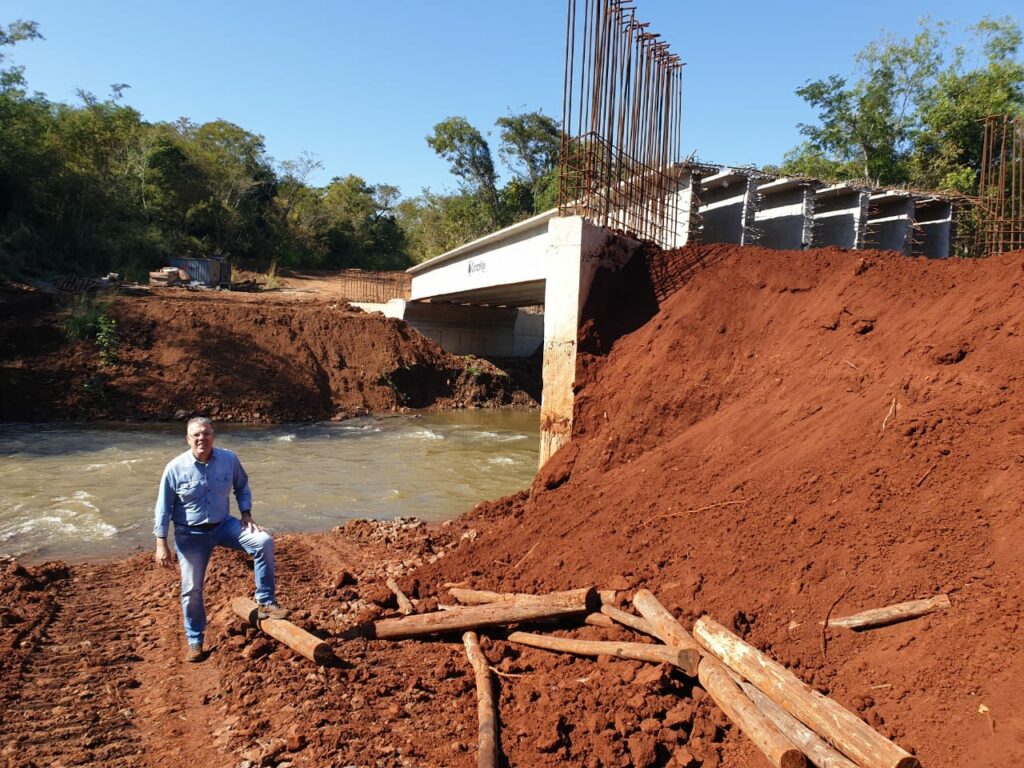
530 144
465 148
912 116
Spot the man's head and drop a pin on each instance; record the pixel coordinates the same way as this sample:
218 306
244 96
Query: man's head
199 436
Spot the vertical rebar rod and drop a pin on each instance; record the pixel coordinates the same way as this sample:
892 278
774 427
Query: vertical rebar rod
621 123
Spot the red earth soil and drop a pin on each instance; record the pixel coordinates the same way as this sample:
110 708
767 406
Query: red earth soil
233 356
771 438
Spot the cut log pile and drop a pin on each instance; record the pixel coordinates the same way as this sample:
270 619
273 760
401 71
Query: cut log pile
787 720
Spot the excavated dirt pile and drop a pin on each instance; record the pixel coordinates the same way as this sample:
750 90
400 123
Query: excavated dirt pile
235 357
789 434
771 438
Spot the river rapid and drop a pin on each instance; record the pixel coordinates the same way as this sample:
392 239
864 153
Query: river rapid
87 492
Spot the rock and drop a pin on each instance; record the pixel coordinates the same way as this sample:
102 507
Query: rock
683 758
258 649
653 677
681 714
619 583
642 750
650 726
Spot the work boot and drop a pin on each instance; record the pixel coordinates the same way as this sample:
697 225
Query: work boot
271 611
195 652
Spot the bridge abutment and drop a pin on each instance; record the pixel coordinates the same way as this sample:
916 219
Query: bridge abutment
577 249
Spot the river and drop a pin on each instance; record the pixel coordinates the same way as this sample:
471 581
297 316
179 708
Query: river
87 492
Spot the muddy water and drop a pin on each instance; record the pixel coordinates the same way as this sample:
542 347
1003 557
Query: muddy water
79 493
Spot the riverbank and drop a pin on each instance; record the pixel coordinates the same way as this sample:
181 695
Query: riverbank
276 357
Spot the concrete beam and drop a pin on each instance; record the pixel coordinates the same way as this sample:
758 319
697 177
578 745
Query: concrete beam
728 201
785 214
483 270
890 221
934 228
840 217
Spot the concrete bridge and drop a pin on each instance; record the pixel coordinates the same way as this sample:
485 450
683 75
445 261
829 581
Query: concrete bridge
510 292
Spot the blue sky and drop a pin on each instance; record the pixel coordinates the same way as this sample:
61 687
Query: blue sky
359 85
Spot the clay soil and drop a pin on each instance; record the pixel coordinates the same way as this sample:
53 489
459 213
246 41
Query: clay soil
285 356
767 437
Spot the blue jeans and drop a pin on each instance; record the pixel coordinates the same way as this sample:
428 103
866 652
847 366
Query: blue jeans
194 548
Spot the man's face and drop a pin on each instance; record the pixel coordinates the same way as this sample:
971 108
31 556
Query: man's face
200 440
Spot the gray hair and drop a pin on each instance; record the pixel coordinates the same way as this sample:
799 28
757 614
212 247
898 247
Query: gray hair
201 421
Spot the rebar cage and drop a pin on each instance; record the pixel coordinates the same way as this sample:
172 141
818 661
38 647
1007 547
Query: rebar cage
1001 187
621 121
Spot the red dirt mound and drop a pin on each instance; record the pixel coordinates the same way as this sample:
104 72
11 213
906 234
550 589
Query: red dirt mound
237 357
794 433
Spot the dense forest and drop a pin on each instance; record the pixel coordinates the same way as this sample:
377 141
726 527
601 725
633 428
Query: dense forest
92 187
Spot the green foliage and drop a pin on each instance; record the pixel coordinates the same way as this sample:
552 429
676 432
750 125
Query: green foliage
82 320
87 320
270 278
91 187
107 339
912 116
530 144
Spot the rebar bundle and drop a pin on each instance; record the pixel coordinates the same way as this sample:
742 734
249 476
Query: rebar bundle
621 122
1001 189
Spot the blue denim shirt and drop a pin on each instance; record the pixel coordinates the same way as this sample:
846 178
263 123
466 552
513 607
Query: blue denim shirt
192 493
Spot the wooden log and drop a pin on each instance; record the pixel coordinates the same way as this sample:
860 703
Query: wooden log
404 603
628 619
665 626
486 711
819 752
489 615
840 727
720 685
296 638
686 660
599 620
780 751
483 596
486 597
890 614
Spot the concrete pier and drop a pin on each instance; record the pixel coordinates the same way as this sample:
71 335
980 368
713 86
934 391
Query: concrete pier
576 251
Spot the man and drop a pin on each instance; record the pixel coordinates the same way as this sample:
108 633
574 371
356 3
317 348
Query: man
193 495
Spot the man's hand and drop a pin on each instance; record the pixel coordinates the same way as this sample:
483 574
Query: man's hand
163 555
248 524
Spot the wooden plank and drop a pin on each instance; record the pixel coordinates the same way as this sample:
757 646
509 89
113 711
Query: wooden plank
486 710
840 727
296 638
489 615
686 660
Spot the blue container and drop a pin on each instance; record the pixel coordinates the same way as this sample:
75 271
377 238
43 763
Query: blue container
208 272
